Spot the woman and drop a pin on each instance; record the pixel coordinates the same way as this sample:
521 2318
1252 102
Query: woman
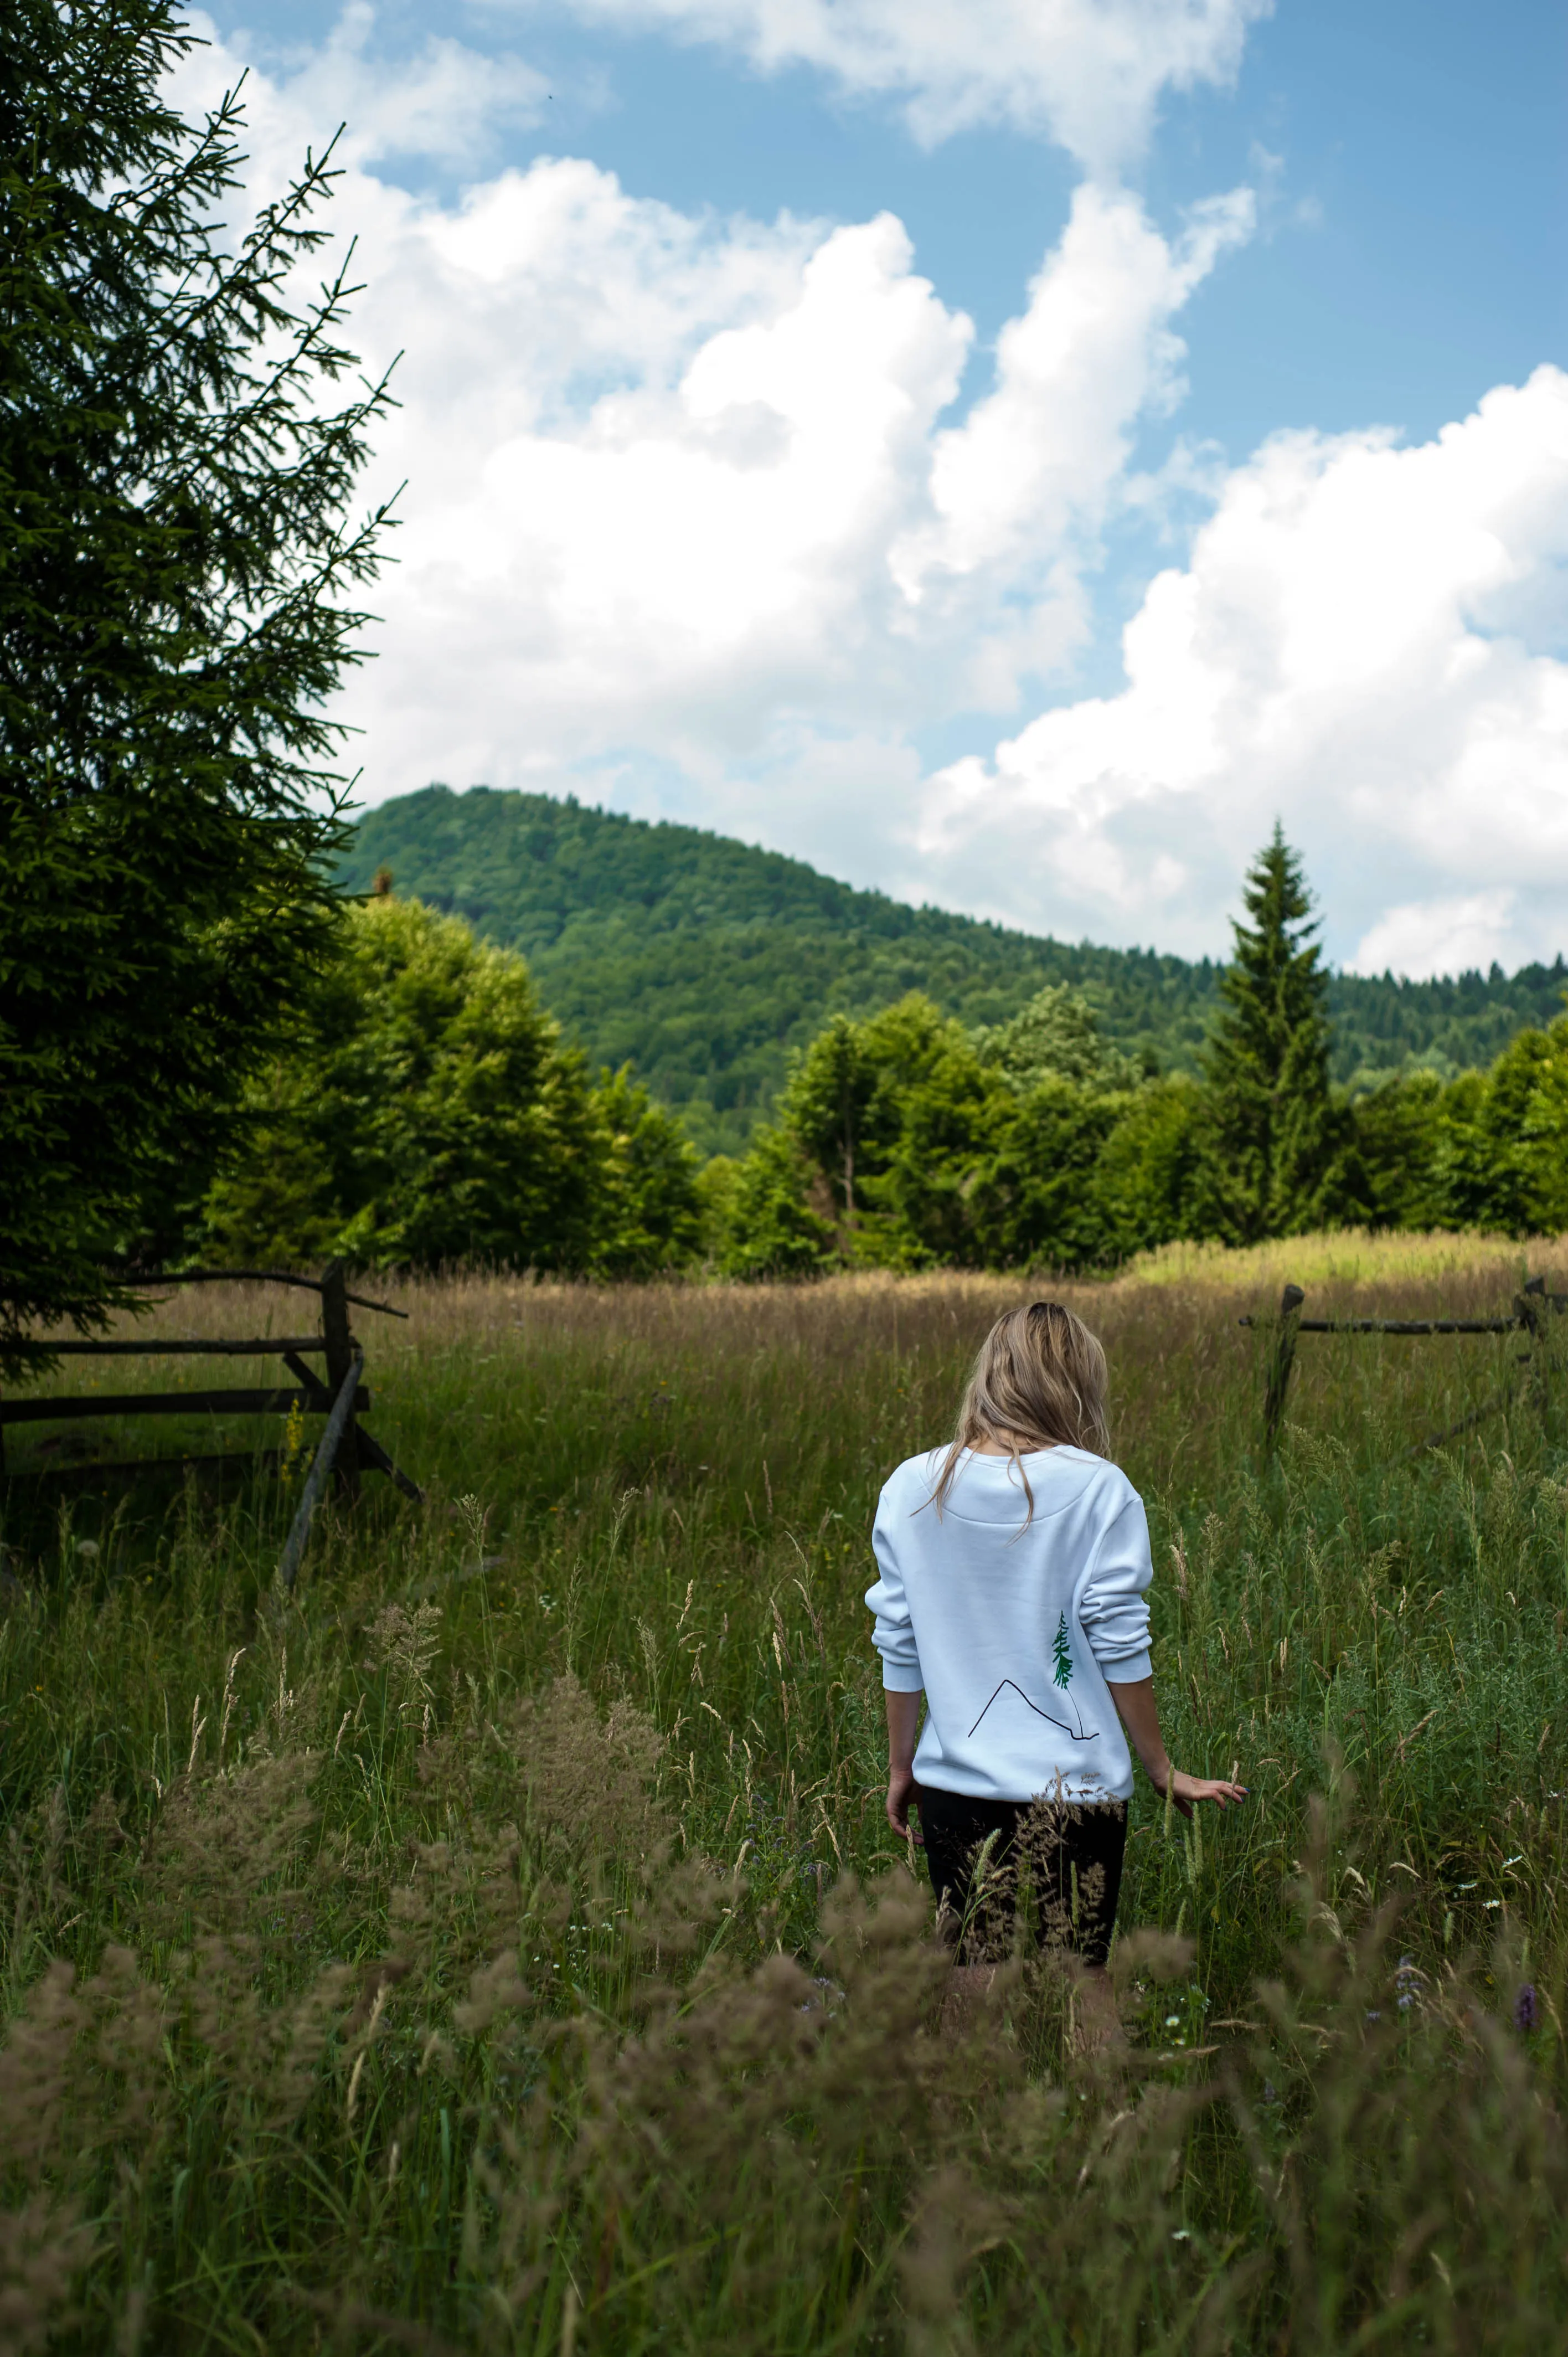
1014 1570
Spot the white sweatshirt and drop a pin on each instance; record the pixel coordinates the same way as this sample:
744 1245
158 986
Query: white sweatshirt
1014 1631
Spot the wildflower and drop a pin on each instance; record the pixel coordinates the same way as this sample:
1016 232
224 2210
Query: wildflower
293 1441
1526 2009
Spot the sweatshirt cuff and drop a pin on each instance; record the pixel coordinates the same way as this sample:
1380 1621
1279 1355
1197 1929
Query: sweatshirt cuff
1130 1672
899 1678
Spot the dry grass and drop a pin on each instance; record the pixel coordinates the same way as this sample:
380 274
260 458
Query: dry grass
1353 1256
501 1945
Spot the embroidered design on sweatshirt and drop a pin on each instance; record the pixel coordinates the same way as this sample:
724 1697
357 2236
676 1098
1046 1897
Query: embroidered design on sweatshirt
1061 1657
1080 1733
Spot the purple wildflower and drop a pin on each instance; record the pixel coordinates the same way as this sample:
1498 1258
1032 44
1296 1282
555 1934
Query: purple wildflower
1526 2008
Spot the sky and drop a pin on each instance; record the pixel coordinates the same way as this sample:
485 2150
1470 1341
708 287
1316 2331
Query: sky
1005 452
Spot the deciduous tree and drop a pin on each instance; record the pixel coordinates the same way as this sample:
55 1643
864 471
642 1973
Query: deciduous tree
428 1110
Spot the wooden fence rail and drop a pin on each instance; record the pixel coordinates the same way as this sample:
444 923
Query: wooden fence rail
153 1278
345 1449
217 1347
246 1402
1528 1315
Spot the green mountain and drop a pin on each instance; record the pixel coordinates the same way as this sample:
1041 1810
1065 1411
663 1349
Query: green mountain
704 961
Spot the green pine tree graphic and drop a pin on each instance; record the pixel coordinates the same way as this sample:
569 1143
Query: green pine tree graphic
1061 1656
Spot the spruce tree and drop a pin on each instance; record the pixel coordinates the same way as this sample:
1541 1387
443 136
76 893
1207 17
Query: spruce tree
176 607
1270 1117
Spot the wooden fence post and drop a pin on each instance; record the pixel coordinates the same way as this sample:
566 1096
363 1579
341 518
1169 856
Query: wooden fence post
1280 1360
1530 1309
339 1358
338 1425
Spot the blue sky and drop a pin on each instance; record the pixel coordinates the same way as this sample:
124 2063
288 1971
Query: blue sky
1292 406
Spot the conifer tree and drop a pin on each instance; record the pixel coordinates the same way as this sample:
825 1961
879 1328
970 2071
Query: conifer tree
1270 1117
178 579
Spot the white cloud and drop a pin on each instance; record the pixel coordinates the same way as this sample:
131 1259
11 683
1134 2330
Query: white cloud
778 529
1421 938
1088 73
1018 492
1355 645
681 495
446 102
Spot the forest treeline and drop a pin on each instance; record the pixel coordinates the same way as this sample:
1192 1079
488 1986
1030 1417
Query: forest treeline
703 962
430 1110
908 1141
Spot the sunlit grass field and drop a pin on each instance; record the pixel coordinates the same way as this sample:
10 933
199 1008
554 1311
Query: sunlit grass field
500 1943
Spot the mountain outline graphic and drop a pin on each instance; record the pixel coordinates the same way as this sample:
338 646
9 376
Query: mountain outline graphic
1089 1737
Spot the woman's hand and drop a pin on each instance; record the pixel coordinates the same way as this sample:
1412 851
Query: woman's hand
1135 1702
901 1790
1186 1790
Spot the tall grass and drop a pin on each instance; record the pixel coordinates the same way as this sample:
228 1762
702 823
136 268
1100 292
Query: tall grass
500 1944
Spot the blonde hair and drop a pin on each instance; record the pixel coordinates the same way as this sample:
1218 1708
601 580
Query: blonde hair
1039 1382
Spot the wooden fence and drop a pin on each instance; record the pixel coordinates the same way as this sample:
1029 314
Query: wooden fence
345 1451
1532 1309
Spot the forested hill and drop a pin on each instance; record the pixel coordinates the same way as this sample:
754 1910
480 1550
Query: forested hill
704 960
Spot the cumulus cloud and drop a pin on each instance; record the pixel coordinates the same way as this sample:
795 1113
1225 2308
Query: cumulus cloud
1466 935
1356 646
1087 73
684 494
445 102
760 522
1019 491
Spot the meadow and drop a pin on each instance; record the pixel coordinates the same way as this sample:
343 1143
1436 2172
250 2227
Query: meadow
499 1944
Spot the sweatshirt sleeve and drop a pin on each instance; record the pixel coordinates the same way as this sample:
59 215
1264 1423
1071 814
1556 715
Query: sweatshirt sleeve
894 1635
1114 1607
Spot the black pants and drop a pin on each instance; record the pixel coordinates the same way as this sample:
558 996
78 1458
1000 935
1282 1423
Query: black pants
1064 1855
